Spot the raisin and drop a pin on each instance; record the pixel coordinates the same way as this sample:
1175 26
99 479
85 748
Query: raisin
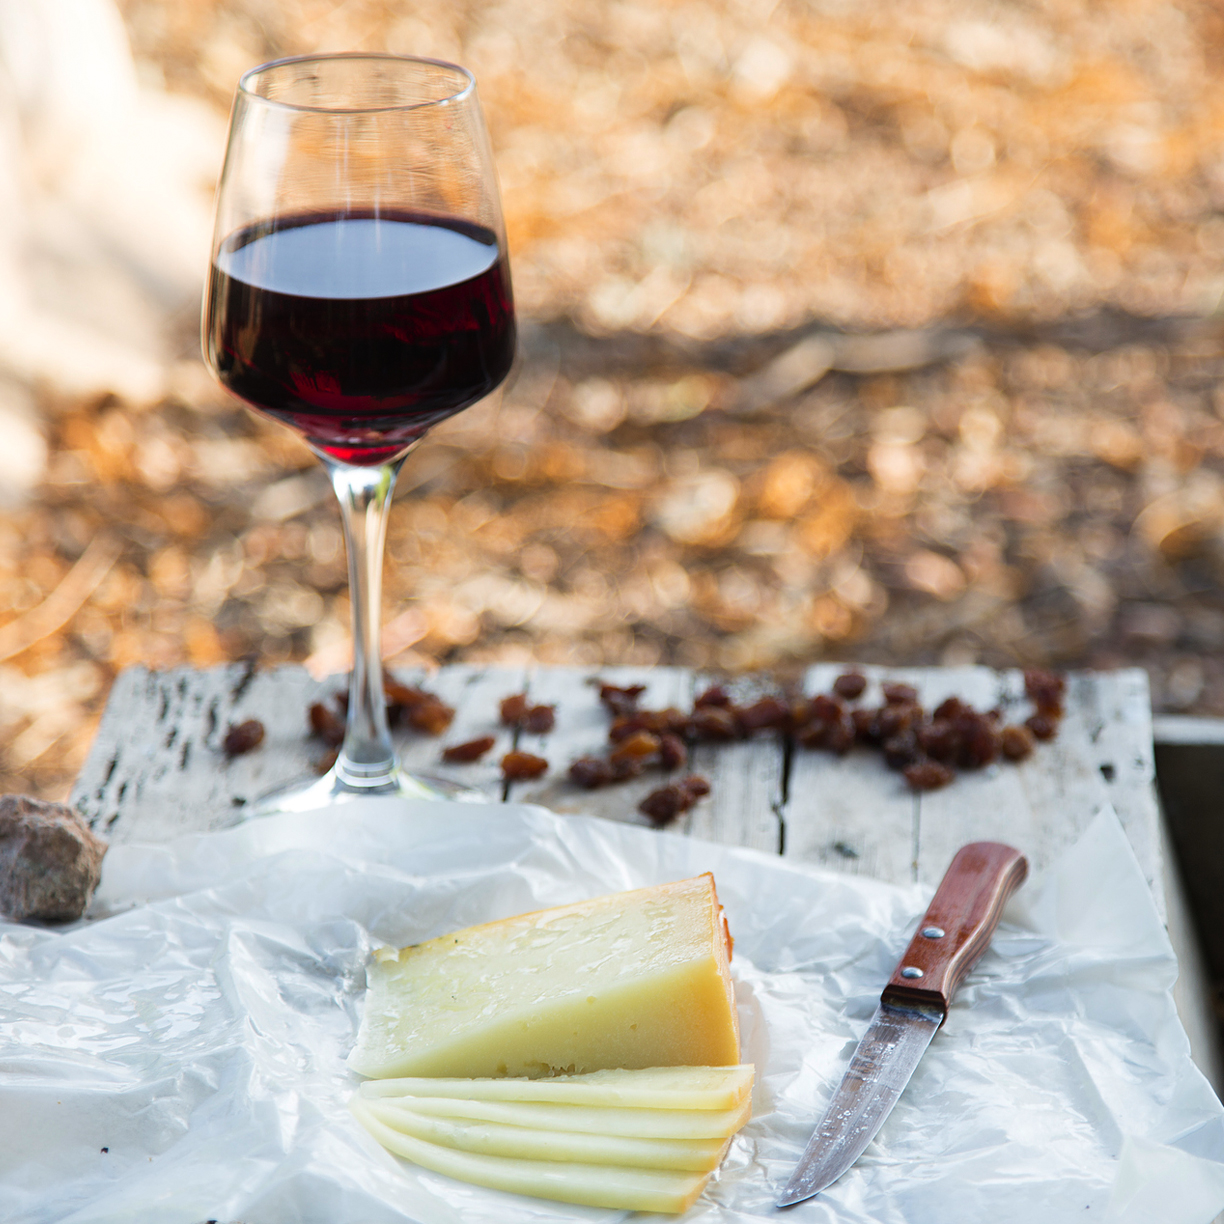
655 721
243 737
715 723
938 739
1043 726
866 726
813 734
403 695
591 772
696 786
513 709
540 719
901 750
715 695
327 725
850 686
662 806
627 767
895 694
473 750
979 740
898 717
517 766
640 746
826 708
948 709
620 700
769 712
1045 689
673 754
928 775
841 734
1017 743
432 716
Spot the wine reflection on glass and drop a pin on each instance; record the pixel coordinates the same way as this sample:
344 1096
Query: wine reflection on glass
359 292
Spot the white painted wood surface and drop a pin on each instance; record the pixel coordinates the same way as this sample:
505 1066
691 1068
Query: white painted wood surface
157 767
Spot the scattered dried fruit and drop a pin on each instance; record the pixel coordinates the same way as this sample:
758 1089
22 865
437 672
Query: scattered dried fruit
540 719
522 766
662 806
895 694
621 700
431 716
472 750
513 709
243 737
715 722
1017 743
639 746
928 775
1045 689
327 725
673 752
769 712
850 685
591 772
1043 726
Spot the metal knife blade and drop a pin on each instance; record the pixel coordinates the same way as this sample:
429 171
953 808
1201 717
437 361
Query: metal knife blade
952 935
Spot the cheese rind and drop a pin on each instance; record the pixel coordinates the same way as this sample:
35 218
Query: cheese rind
522 1143
587 1119
671 1191
640 1088
637 979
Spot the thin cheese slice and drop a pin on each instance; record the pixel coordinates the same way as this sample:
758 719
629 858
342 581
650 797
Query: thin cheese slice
636 979
671 1191
495 1139
645 1088
589 1119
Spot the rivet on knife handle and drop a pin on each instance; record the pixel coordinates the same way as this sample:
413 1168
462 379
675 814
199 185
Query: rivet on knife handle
958 924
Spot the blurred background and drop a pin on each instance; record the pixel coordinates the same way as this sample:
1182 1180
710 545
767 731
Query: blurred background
885 332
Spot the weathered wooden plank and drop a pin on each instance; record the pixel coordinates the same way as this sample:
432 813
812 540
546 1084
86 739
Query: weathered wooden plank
850 813
582 730
746 782
988 804
157 768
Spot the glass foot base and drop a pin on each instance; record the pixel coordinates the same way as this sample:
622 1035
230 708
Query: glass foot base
308 794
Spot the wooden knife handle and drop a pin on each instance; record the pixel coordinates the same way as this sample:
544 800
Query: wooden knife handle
958 925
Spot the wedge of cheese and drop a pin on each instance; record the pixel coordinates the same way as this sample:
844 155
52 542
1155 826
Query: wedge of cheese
631 1189
648 1088
589 1119
523 1143
637 979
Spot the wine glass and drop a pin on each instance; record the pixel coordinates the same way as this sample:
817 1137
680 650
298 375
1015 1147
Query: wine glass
359 292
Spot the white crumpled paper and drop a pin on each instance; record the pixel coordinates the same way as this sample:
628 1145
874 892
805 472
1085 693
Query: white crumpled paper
182 1059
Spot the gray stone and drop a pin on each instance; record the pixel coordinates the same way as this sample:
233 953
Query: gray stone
50 861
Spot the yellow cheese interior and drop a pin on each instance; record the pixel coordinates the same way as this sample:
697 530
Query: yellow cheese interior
594 1185
647 1088
590 1119
637 979
524 1143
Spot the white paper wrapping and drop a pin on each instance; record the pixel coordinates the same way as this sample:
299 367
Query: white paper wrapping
181 1059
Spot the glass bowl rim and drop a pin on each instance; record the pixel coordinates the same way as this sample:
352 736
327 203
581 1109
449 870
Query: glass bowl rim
460 95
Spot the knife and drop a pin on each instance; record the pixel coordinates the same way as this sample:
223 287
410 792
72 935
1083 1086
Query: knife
951 937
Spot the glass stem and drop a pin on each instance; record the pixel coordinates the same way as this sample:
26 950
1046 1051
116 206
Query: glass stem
367 757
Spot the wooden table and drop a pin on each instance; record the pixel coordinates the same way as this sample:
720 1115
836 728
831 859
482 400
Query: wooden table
157 770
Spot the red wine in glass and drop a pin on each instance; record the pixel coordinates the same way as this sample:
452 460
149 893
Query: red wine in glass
360 330
359 292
